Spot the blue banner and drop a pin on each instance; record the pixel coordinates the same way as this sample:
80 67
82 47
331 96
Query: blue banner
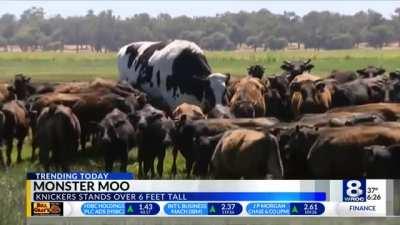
180 196
80 176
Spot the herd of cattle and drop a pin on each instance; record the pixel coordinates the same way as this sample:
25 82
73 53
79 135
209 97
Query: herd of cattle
293 125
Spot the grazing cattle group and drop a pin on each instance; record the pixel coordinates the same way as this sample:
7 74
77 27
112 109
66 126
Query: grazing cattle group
291 125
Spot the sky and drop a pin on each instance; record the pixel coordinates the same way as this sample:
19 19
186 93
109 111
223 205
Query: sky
197 8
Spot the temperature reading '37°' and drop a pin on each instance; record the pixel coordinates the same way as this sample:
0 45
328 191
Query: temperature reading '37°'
373 193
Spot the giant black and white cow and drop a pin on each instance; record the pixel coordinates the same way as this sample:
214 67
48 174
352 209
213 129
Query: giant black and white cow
172 73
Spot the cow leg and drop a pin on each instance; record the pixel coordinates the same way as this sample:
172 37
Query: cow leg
34 146
9 146
147 164
108 161
124 160
19 148
2 163
189 165
44 158
174 155
160 163
140 160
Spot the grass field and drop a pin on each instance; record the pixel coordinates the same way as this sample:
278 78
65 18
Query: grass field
85 66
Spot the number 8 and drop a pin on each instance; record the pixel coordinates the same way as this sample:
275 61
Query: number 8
353 188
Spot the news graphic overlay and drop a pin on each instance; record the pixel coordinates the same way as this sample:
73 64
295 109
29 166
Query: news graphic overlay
120 195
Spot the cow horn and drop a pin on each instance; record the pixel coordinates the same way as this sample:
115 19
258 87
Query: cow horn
287 62
307 61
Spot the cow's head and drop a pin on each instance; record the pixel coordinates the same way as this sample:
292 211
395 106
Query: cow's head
248 94
152 121
393 88
370 71
22 86
108 127
294 68
215 86
309 97
256 71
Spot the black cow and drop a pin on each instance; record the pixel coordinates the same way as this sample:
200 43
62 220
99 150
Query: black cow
117 138
58 132
295 68
153 136
277 97
256 71
360 91
370 71
342 76
383 161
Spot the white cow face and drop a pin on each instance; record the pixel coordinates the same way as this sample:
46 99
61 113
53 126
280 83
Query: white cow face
218 83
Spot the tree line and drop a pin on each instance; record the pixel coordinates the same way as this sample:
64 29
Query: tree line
106 31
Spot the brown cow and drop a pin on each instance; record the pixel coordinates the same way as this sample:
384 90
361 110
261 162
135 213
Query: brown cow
247 153
16 126
6 92
339 153
248 98
305 77
192 112
309 97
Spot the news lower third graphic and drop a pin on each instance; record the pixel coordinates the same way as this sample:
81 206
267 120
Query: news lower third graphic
120 195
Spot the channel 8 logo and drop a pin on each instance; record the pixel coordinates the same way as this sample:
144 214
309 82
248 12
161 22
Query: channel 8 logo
354 190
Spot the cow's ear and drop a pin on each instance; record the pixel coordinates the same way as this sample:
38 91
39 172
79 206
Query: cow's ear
286 67
394 75
320 86
381 71
308 67
360 71
141 99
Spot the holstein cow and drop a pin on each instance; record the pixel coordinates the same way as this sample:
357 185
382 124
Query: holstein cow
295 68
248 99
58 132
248 154
370 71
172 73
16 126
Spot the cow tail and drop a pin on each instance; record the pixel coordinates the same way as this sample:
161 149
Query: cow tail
274 160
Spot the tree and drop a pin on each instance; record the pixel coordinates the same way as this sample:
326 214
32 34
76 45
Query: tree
378 36
340 41
275 43
217 41
253 41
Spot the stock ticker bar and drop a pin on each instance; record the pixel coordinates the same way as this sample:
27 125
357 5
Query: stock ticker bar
120 195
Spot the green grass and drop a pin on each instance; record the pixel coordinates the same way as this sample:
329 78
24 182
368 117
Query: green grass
83 66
